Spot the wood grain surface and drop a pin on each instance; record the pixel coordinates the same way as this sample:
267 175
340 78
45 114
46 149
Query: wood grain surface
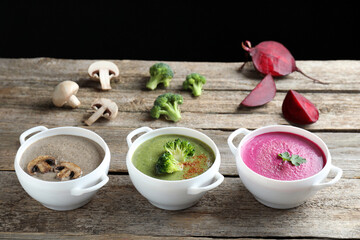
118 211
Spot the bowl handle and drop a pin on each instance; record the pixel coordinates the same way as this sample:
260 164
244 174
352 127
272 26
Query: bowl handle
136 131
80 191
233 135
338 172
219 178
30 131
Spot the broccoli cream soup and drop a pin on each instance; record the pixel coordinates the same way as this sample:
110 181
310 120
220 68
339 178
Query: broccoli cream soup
146 156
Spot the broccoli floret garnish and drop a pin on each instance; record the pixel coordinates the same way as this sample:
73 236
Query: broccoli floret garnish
159 73
176 152
194 82
168 105
167 164
181 150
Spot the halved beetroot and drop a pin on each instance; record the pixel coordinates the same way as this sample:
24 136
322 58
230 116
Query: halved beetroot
298 109
263 93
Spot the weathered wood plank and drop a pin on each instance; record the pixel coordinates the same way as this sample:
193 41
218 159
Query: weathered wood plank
37 72
209 102
80 236
328 121
344 148
228 211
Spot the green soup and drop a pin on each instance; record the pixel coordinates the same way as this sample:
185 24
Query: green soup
147 154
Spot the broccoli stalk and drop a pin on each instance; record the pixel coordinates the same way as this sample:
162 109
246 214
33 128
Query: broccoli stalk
167 164
181 150
159 73
194 82
168 105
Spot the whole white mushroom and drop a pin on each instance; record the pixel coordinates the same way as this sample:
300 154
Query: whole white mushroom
64 93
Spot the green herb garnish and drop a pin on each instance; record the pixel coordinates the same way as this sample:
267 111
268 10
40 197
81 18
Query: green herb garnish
295 160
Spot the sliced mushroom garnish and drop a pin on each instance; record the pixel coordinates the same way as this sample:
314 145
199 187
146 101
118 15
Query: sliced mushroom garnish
67 171
42 164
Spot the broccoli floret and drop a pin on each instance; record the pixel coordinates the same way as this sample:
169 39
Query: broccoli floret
167 164
194 82
159 73
181 150
168 105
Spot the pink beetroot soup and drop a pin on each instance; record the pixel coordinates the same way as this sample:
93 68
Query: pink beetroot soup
260 154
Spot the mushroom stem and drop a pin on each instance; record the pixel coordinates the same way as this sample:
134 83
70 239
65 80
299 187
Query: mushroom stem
104 79
73 101
95 116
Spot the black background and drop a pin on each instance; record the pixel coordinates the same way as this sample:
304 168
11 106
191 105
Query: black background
176 30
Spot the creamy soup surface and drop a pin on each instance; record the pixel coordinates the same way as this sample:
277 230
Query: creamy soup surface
147 154
84 152
260 154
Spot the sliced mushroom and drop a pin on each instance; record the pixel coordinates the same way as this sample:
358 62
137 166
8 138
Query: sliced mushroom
65 93
67 171
103 71
103 107
42 164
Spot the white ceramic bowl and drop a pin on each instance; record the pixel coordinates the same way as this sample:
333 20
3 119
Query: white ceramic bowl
66 195
277 193
179 194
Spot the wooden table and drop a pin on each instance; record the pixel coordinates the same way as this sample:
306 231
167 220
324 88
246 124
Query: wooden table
118 211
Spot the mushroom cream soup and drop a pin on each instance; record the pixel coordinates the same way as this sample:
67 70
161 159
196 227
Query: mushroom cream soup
147 154
261 154
65 156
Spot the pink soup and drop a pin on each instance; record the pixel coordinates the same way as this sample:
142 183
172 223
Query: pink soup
260 154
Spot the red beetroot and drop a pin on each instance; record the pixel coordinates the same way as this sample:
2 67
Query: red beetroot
263 93
298 109
272 57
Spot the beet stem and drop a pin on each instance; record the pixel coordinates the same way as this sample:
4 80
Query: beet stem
314 79
248 47
242 66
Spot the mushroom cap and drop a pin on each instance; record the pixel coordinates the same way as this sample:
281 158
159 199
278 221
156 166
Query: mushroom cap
63 91
95 67
42 164
111 107
67 171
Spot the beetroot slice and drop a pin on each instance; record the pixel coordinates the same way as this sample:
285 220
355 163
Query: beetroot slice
298 109
263 93
274 58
